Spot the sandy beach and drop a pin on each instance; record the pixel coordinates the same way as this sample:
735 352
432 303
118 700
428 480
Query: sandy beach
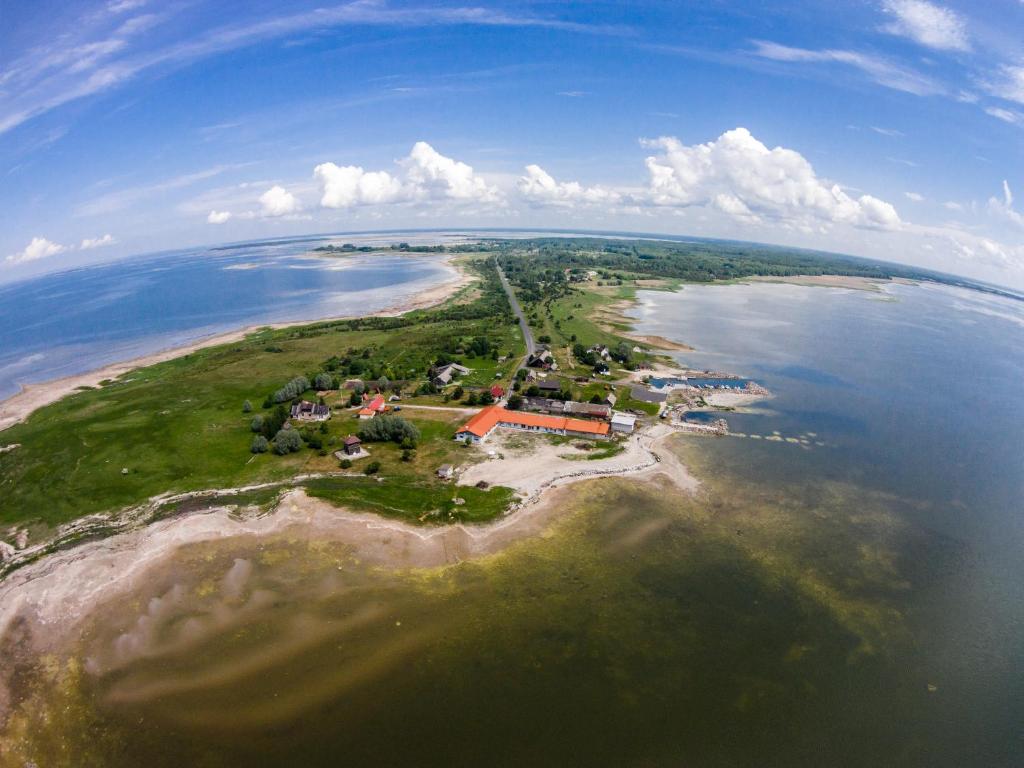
19 407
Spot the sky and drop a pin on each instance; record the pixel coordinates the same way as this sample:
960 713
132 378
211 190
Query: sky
891 129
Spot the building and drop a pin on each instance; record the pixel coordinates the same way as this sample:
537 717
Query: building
307 411
550 385
542 359
567 408
624 423
497 392
479 428
446 472
444 375
352 445
610 399
372 408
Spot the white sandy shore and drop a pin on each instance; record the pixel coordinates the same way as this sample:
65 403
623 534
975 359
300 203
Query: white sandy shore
19 407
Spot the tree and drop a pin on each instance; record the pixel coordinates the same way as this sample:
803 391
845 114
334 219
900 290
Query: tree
256 425
346 463
287 441
292 389
246 407
382 383
544 339
532 391
471 400
355 398
372 468
595 399
458 393
515 402
407 454
389 429
259 444
324 381
486 398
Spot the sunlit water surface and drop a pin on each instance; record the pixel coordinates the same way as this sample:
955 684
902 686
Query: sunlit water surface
847 604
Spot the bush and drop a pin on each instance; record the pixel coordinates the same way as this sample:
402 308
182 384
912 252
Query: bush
472 399
486 398
458 393
287 441
372 468
260 444
389 429
324 381
292 389
407 454
544 339
256 425
246 407
346 463
515 402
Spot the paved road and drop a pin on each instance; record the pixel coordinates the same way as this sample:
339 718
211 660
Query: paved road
531 348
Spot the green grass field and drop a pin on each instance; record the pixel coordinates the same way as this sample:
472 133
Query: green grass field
179 426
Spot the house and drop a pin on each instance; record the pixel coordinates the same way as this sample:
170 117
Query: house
446 472
550 385
353 384
444 375
479 428
307 411
610 399
372 408
352 445
623 423
497 392
542 359
601 351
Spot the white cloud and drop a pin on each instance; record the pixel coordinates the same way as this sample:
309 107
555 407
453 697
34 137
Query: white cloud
428 175
97 242
1009 84
218 217
39 248
120 6
927 24
915 196
740 176
538 186
950 205
1006 115
891 132
881 70
1004 208
277 201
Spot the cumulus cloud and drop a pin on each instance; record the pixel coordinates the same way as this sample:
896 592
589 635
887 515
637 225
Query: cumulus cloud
218 217
97 242
39 248
928 24
738 175
278 201
425 174
540 187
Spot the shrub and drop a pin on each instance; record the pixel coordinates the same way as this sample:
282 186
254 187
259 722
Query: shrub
346 463
256 425
515 402
287 441
472 399
324 381
486 398
260 444
372 468
407 454
246 407
458 393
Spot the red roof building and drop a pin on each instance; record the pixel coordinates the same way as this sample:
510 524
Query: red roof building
497 391
484 422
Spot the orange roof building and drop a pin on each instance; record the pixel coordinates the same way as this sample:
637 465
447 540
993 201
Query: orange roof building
372 408
488 419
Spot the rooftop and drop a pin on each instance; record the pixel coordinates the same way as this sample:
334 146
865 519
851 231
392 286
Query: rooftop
488 418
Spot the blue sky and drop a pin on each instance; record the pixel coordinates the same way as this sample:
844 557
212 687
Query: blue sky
892 129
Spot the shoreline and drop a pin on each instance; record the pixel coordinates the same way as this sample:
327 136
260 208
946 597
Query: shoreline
18 407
